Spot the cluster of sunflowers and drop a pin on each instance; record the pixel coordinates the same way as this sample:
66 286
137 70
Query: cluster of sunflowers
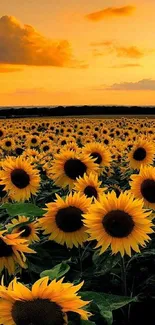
93 181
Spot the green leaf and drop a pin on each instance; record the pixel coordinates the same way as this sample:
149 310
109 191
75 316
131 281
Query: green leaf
117 302
107 303
101 303
105 262
57 271
26 209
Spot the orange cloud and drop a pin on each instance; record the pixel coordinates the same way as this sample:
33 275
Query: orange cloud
126 65
110 12
132 52
6 69
23 45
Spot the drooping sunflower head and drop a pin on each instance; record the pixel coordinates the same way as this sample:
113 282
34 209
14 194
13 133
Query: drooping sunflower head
143 185
89 185
44 304
28 229
12 249
99 152
68 165
120 222
19 178
141 154
63 220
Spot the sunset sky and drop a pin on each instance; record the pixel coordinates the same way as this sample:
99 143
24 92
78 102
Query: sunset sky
75 52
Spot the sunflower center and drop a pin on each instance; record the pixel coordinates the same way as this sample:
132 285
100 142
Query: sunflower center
63 142
26 232
8 143
90 191
5 250
139 154
74 168
97 156
19 151
37 312
34 140
118 223
69 219
1 133
46 148
148 190
20 178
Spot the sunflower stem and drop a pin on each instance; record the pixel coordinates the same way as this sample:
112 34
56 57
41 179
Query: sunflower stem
80 260
123 275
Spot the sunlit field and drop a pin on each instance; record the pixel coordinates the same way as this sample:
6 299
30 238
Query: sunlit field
77 221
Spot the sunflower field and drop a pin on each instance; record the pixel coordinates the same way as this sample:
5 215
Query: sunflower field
77 243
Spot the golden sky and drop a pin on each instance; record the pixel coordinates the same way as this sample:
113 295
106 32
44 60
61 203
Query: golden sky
70 52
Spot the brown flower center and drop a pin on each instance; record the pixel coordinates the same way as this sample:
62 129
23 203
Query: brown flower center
8 143
148 190
118 223
37 312
69 219
26 232
90 191
74 168
139 154
20 178
97 156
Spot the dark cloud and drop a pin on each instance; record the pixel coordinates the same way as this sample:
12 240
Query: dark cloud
144 84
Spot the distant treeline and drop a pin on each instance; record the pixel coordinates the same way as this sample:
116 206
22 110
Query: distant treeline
75 110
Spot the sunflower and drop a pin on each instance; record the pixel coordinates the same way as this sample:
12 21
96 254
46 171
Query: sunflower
89 186
68 165
19 178
45 147
70 146
12 249
32 141
27 229
142 153
143 185
63 219
99 152
8 144
45 304
120 222
18 150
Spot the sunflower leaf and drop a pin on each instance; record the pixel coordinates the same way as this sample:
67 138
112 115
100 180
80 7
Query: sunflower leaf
107 303
26 209
104 263
57 271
